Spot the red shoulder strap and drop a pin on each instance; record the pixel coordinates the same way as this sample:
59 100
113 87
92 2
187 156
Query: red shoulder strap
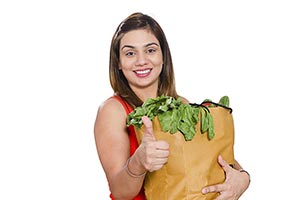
126 106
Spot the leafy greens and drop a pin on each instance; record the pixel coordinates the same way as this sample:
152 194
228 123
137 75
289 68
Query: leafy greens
174 115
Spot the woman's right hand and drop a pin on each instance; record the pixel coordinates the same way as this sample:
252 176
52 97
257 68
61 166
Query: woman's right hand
153 153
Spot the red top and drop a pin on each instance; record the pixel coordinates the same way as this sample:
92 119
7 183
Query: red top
133 142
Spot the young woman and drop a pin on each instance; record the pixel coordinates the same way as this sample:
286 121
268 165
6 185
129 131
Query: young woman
141 68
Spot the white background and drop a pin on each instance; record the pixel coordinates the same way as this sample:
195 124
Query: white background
54 75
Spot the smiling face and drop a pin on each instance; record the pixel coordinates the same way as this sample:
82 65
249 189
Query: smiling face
141 61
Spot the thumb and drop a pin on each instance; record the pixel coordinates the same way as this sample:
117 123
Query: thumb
148 132
223 164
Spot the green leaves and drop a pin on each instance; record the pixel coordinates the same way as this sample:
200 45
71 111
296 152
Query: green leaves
174 115
224 101
151 108
168 121
207 124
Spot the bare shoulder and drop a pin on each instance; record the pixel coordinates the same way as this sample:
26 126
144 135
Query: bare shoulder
111 117
184 100
111 106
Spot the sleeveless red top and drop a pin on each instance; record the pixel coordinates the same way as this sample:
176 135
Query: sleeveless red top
133 142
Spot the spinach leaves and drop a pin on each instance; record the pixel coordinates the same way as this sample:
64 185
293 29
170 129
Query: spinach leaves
174 115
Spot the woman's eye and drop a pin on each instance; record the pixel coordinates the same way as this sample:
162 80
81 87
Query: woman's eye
151 50
129 53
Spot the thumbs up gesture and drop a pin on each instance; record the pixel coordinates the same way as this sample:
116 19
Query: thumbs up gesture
154 153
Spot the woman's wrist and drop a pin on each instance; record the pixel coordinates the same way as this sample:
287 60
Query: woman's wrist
132 173
246 172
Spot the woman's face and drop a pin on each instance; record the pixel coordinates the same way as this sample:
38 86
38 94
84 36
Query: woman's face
141 59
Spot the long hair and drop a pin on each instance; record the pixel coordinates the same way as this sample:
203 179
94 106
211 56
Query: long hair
166 84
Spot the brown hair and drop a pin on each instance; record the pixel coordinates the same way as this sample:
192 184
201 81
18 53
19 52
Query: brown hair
119 83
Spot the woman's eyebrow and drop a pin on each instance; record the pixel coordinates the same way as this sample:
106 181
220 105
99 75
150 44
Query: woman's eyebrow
147 45
152 43
128 46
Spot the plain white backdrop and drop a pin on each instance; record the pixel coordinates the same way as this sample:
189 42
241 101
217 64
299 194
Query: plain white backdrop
54 75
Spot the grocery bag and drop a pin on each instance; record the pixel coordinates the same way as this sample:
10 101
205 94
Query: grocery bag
192 164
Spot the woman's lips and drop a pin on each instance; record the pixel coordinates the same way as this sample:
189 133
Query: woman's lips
142 73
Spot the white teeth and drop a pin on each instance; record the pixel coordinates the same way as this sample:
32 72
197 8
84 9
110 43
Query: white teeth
143 71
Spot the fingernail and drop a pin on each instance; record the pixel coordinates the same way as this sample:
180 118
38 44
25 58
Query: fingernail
204 191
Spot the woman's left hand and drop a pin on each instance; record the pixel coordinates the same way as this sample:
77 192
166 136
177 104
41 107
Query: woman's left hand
235 184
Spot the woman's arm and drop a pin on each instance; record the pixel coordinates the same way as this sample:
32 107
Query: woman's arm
126 174
113 148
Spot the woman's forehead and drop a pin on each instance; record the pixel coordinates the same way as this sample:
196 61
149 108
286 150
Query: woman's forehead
138 37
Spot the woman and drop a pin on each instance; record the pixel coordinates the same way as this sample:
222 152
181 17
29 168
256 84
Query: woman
141 68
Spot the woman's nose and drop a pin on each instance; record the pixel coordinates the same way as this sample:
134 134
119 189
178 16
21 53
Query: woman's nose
141 59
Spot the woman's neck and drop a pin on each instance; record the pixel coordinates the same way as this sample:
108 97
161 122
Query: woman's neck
146 93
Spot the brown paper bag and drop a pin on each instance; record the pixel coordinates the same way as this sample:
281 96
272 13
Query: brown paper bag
193 164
